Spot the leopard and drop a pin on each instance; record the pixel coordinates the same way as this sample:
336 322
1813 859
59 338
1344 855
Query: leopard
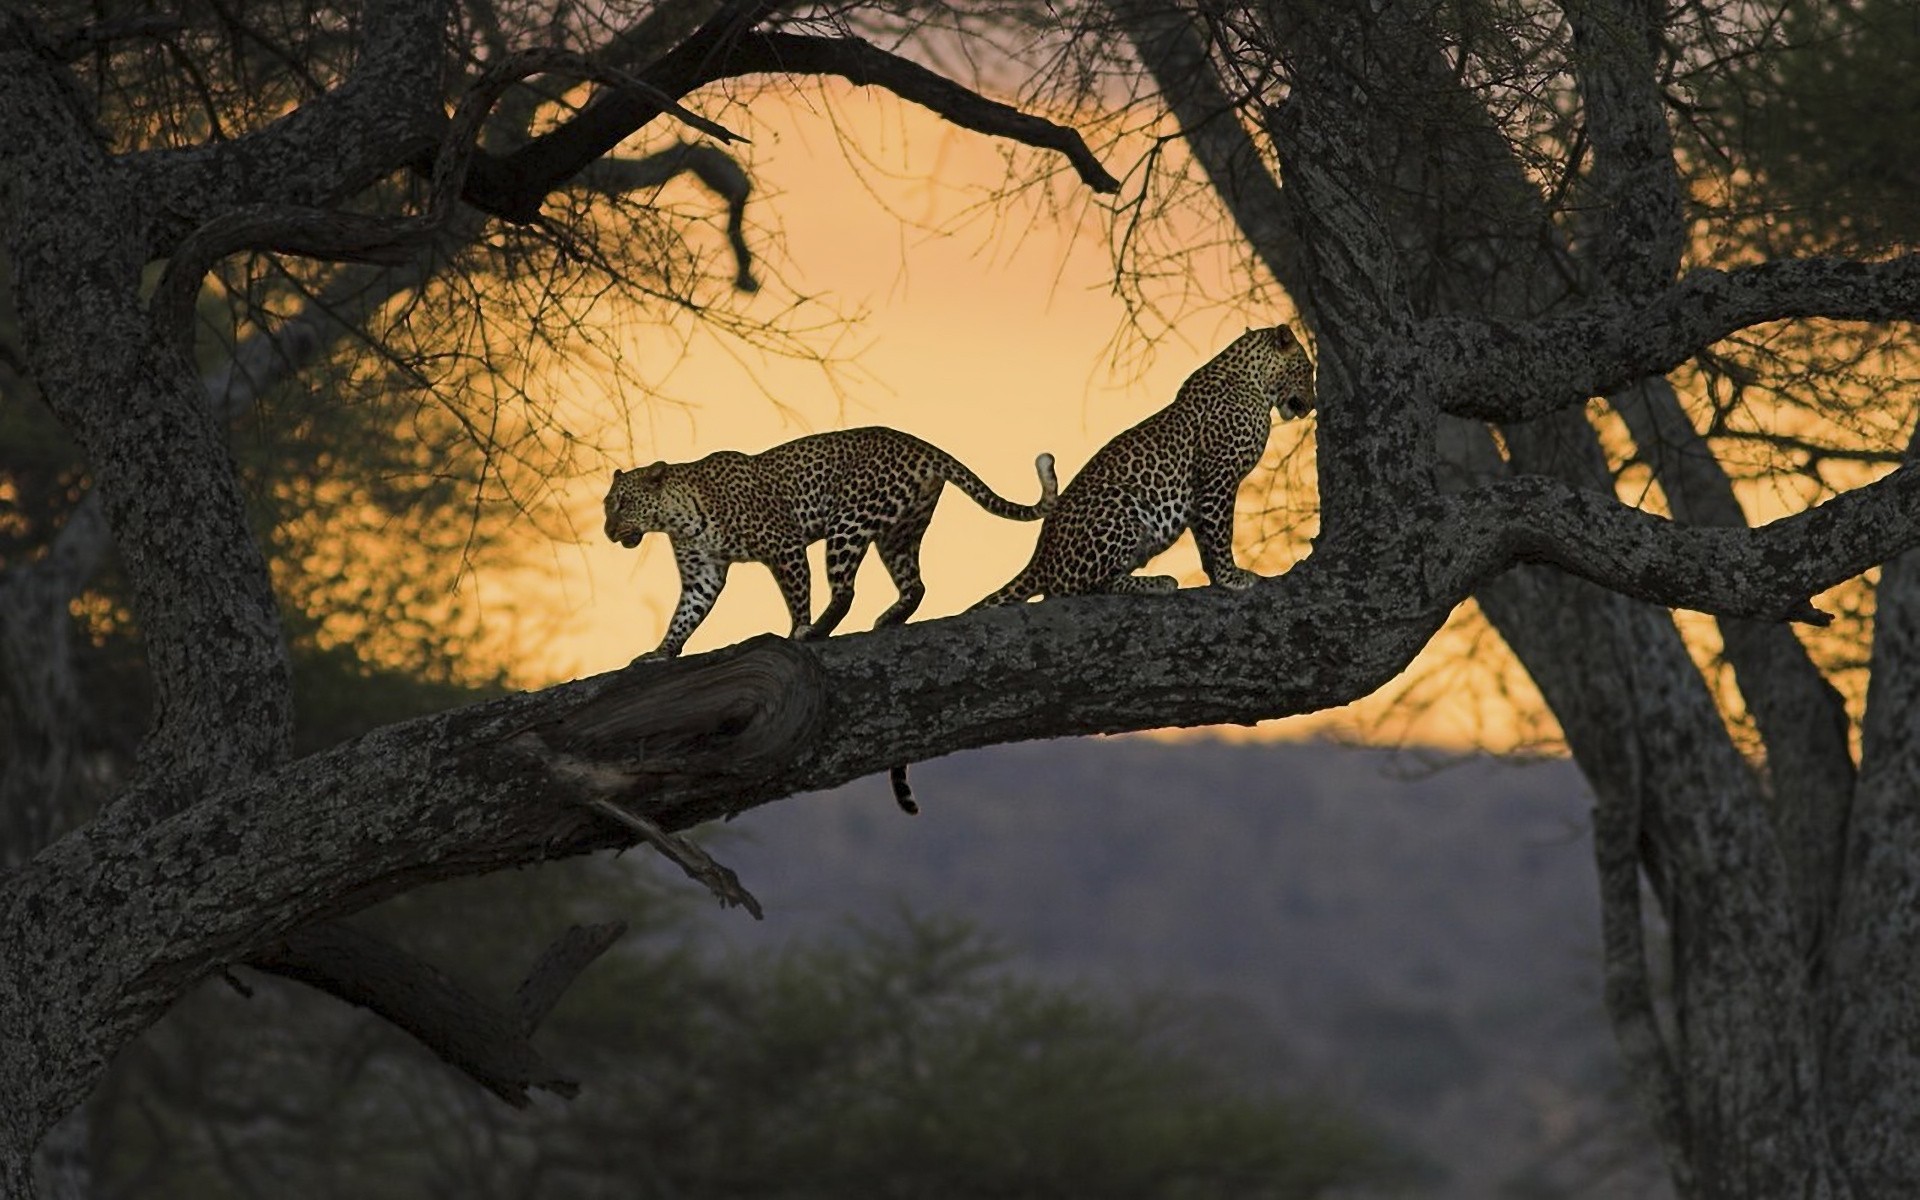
852 488
1180 468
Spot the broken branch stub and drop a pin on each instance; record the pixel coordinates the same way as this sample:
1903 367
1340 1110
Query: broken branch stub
735 712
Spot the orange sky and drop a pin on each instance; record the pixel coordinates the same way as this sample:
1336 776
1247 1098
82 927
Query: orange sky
995 340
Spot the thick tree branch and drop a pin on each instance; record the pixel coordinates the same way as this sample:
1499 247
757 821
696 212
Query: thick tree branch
1765 573
514 186
200 588
1640 235
1354 274
685 740
1877 927
485 1040
1499 370
1628 988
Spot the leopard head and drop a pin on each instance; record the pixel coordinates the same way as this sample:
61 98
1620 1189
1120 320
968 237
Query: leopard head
645 500
1282 363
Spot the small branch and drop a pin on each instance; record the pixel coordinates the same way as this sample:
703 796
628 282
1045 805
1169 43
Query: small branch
713 166
697 863
571 953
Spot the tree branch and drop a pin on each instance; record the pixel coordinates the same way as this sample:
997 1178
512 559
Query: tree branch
355 237
712 166
514 185
1628 985
389 109
1765 573
865 65
571 953
1876 934
486 1041
1519 370
1169 45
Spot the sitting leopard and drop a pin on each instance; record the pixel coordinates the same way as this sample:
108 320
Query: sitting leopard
853 488
1180 467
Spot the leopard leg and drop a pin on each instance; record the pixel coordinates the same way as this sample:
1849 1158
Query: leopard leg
845 548
790 572
899 548
1152 540
1135 585
701 579
1213 534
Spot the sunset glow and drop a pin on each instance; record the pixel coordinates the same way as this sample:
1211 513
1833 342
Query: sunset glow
992 329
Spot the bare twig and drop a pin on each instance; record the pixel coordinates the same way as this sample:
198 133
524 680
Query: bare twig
697 863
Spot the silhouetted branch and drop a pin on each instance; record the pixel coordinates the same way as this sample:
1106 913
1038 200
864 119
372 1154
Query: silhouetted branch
486 1041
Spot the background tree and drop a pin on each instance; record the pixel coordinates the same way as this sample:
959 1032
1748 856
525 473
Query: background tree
1443 292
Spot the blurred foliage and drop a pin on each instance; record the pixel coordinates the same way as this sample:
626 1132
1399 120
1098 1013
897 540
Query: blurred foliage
371 589
907 1060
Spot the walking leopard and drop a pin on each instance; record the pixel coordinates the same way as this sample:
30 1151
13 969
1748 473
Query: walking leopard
853 488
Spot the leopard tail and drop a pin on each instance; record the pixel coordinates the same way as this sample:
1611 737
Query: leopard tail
1000 506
